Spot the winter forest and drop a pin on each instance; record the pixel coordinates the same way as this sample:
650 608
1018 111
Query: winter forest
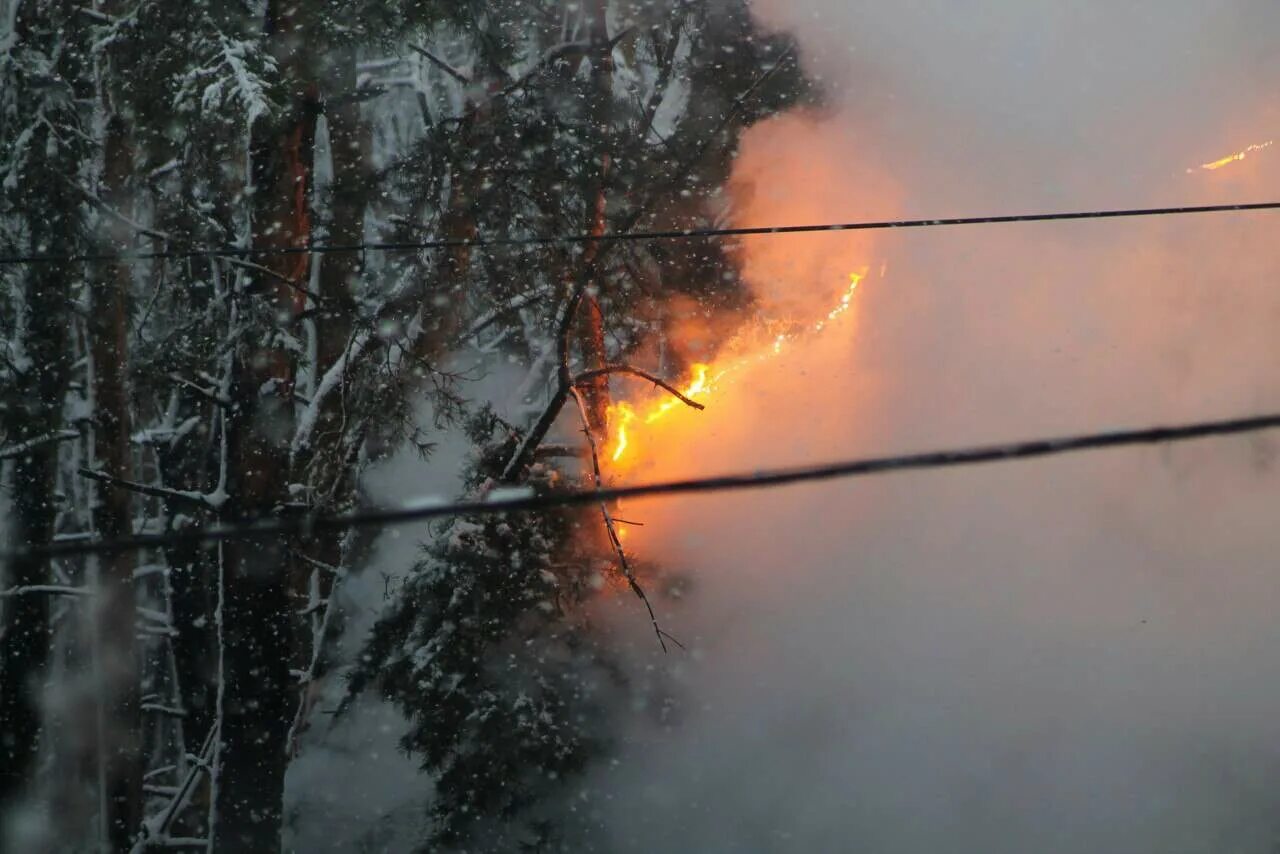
343 343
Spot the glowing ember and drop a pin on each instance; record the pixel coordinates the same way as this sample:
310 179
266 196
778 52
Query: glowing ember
624 419
1232 158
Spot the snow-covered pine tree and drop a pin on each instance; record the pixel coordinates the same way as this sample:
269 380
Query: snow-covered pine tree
488 651
492 658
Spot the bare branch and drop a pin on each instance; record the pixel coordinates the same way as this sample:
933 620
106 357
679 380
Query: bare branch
644 375
156 831
211 396
95 16
516 303
45 589
613 532
337 571
440 63
266 271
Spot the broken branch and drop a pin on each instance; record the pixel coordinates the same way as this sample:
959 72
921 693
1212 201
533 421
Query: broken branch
644 375
613 532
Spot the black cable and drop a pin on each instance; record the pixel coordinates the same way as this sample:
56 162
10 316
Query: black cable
520 501
624 236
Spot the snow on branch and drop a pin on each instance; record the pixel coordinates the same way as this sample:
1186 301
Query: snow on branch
13 451
212 500
45 589
332 377
210 395
441 64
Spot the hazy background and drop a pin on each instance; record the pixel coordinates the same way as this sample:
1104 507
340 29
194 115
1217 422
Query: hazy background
1080 654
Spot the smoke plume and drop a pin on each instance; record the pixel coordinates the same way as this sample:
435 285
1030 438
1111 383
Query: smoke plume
1067 655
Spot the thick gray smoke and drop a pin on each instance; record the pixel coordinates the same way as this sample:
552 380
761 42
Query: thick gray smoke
1080 654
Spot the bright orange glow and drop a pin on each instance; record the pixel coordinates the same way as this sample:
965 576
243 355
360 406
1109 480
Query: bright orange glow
620 417
625 423
1233 158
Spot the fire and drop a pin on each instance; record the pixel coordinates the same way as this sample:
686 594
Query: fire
624 415
625 423
1232 158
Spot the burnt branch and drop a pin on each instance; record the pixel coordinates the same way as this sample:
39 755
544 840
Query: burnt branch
623 565
644 375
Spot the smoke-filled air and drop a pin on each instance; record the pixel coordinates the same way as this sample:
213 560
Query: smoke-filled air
614 426
1068 655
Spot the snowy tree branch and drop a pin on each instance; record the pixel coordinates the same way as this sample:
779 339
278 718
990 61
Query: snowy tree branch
46 590
208 394
213 500
440 63
14 451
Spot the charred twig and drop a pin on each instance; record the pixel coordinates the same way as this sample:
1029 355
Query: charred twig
644 375
613 532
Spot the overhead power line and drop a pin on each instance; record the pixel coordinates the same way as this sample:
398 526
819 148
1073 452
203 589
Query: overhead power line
520 501
622 236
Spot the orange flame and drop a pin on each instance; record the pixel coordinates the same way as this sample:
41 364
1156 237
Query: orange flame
1233 158
624 419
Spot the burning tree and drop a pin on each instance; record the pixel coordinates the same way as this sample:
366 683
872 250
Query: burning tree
153 394
487 648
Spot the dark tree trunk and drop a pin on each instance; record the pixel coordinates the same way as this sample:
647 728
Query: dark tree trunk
257 614
117 605
591 320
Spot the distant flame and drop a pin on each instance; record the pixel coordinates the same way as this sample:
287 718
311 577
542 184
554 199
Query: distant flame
624 419
1232 158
